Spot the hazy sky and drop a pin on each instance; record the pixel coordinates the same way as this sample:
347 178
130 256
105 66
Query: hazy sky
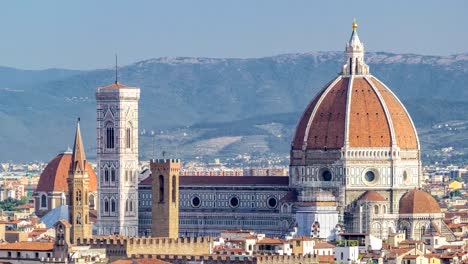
86 34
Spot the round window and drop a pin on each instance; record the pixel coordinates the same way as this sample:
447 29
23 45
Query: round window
326 175
272 202
370 176
234 202
196 202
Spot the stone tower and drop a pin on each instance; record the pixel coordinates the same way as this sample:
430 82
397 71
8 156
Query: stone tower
117 158
62 239
165 209
78 186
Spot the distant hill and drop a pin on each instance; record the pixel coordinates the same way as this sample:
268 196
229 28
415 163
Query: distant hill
220 107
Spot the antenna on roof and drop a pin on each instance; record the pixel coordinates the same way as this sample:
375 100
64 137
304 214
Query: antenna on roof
116 70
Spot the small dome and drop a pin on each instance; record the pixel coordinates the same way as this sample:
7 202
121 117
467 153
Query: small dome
418 202
55 175
372 196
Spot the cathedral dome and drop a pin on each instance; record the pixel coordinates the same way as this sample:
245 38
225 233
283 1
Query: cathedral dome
355 110
55 175
418 202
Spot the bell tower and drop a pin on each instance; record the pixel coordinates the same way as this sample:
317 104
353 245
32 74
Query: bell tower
117 159
165 204
78 186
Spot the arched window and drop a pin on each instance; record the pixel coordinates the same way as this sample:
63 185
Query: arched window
78 197
161 188
43 200
78 219
131 206
109 136
106 175
128 137
91 201
106 205
376 209
126 205
174 189
113 206
113 175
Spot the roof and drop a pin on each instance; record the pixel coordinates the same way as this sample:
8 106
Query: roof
418 202
113 86
372 196
27 245
228 180
140 261
55 175
269 241
323 245
323 123
59 213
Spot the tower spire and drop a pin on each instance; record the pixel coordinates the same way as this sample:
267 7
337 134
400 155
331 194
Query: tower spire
116 70
354 64
78 156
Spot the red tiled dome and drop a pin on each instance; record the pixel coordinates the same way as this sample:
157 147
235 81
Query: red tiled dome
55 175
372 196
418 202
376 118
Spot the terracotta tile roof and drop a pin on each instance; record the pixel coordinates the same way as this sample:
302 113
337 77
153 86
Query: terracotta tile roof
113 86
55 175
418 202
323 122
269 241
372 196
323 245
140 261
228 180
326 259
33 246
404 130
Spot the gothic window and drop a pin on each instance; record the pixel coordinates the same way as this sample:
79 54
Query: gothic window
110 136
131 206
126 176
128 137
106 205
174 189
78 197
113 175
161 188
113 206
91 201
126 206
78 219
43 201
106 175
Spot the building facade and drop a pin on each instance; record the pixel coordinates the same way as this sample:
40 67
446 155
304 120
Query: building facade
117 159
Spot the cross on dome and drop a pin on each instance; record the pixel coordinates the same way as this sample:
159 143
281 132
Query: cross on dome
354 64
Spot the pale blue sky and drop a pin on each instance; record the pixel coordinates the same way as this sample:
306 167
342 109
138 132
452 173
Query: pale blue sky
86 34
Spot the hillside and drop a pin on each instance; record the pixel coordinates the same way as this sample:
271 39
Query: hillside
222 107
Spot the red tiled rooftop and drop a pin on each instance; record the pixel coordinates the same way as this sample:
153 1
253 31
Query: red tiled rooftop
32 246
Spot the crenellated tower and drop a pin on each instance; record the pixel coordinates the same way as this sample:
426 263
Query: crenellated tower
78 186
165 208
117 158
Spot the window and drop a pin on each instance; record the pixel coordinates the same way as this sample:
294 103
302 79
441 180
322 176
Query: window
128 136
109 137
131 206
161 188
370 176
91 201
37 255
113 205
78 219
326 175
43 200
376 209
126 206
174 189
78 197
106 205
113 175
106 175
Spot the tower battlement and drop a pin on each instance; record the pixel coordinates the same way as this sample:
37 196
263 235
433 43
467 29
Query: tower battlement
164 164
